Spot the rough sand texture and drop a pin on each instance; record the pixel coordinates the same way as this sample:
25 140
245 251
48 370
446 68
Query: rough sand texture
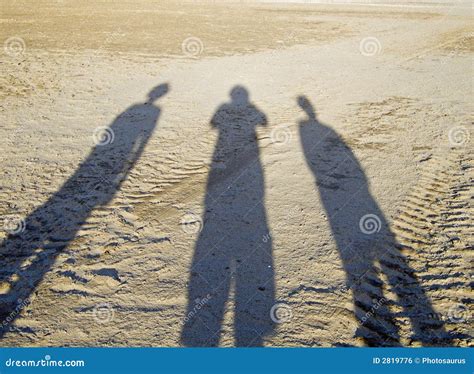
212 220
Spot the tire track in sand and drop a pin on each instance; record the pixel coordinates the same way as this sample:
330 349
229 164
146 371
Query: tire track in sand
435 232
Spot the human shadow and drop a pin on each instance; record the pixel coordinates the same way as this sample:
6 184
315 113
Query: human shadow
366 245
234 249
26 257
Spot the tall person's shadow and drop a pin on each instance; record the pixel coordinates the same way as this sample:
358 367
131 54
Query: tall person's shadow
366 245
25 258
234 250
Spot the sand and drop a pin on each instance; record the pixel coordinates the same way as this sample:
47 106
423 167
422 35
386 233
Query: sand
250 174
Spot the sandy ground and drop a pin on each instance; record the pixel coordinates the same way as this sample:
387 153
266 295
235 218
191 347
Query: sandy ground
188 174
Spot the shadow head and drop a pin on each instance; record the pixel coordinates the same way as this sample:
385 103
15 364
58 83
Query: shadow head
306 105
239 95
158 92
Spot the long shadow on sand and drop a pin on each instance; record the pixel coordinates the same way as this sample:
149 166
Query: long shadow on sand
25 258
234 250
366 245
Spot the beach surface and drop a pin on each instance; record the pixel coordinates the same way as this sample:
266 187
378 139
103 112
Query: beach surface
236 174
